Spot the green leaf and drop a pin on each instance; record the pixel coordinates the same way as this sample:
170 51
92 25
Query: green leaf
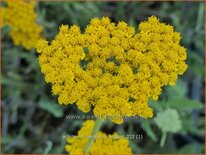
6 139
12 82
168 121
196 63
184 104
155 105
147 128
192 149
178 90
135 148
5 30
49 147
188 123
200 17
53 108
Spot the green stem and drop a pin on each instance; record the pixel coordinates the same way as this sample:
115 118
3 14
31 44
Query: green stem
96 128
163 139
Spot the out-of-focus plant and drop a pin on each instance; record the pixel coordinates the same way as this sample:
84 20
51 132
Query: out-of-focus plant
168 121
21 17
104 144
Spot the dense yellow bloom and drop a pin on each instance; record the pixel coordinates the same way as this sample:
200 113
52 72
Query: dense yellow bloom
110 68
21 17
103 144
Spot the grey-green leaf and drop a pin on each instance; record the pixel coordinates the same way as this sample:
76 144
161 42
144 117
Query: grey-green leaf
168 121
147 127
184 104
53 108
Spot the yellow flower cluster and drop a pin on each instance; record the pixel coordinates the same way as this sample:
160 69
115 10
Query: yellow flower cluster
21 17
103 144
110 68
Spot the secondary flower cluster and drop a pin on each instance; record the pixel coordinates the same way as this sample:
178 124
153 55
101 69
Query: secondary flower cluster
21 17
110 68
103 144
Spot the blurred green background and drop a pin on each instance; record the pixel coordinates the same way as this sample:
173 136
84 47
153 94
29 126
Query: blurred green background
33 121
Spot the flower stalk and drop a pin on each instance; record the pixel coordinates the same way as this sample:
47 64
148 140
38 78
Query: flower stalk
163 139
96 128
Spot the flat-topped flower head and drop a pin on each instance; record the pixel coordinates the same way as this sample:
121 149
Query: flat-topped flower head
21 17
103 144
110 69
